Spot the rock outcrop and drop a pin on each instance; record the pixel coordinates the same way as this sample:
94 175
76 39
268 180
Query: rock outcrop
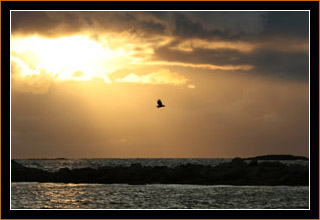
277 157
236 172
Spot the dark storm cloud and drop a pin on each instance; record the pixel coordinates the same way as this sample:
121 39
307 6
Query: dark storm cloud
52 24
210 24
183 24
199 56
285 64
242 25
153 28
281 64
286 23
218 25
27 22
187 28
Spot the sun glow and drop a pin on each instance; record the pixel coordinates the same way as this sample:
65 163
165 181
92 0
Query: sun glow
68 58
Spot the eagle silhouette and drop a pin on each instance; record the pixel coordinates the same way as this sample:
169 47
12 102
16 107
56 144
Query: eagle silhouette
160 105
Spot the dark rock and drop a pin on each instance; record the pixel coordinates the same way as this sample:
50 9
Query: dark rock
238 162
15 165
22 173
236 172
253 163
272 164
64 170
277 157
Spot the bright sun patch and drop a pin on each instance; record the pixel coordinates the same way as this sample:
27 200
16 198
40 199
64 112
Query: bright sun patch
36 60
68 58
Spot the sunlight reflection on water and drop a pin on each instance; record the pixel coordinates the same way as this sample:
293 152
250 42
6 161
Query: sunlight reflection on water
157 196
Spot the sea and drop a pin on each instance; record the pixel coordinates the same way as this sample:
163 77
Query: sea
34 195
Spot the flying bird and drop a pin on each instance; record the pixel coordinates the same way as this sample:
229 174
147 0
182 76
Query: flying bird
160 105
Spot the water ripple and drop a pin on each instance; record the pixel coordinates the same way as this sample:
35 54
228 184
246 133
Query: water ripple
157 196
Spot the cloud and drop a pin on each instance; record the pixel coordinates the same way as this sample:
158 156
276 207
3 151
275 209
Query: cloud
201 66
43 23
223 25
276 44
160 77
286 65
55 23
226 25
182 24
288 60
267 43
36 82
287 24
272 117
189 45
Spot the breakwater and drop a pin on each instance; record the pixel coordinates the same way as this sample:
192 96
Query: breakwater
236 172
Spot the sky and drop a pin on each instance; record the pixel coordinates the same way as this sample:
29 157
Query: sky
85 84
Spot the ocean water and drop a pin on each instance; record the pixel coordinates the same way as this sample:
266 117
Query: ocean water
156 196
33 195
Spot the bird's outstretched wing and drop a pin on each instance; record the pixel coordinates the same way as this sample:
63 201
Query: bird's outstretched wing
159 102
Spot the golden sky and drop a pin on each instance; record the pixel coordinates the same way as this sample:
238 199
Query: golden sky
85 84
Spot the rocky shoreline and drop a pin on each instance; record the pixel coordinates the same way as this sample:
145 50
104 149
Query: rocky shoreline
277 157
236 172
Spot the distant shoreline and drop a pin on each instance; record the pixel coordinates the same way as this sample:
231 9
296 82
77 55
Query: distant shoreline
277 157
262 157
